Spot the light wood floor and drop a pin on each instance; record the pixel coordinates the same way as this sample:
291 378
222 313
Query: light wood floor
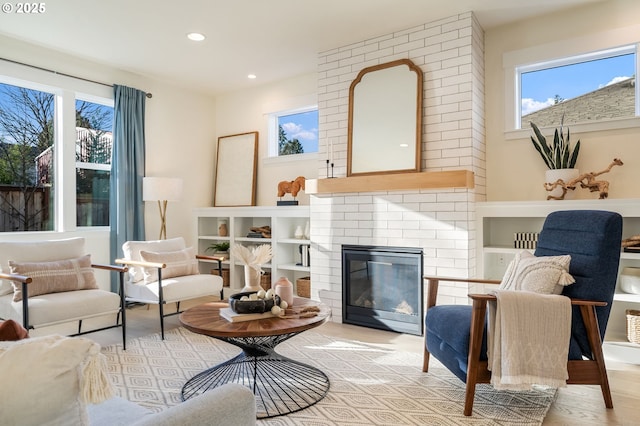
575 405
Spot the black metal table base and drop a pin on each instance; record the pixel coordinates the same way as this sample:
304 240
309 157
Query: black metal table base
280 385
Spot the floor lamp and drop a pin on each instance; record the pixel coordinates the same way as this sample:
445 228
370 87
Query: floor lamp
162 190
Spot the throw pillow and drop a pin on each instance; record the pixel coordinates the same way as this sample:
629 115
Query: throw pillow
37 251
545 274
132 249
52 379
178 263
11 331
54 277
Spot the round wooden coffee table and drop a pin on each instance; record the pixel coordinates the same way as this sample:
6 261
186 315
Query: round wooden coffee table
281 385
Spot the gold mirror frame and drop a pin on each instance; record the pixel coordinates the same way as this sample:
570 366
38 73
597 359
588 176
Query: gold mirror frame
385 119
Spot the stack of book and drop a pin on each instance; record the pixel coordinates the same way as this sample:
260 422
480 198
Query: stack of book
230 315
525 240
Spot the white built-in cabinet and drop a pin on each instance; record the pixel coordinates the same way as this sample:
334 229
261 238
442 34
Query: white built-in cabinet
497 223
283 220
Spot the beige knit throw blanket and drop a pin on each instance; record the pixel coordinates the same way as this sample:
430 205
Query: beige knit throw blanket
528 339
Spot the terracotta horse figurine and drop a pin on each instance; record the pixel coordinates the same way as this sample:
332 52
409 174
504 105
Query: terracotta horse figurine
291 187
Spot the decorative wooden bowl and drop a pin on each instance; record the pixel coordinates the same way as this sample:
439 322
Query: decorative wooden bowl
251 306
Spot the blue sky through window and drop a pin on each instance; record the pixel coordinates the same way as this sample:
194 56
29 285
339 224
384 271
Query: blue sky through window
539 88
302 126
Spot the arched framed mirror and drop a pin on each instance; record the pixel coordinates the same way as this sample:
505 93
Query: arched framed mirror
385 119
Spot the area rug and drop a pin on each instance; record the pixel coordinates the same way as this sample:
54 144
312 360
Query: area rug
370 385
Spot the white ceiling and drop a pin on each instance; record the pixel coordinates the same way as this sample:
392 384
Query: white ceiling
274 39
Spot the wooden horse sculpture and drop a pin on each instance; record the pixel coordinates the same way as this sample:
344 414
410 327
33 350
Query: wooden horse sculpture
291 187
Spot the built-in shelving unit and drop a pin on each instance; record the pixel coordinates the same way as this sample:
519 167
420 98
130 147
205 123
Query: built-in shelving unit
497 222
283 221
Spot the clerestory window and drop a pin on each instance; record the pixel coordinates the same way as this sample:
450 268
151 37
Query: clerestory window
591 87
293 132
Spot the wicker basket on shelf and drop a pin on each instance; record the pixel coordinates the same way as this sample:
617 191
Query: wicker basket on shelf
225 276
633 325
303 287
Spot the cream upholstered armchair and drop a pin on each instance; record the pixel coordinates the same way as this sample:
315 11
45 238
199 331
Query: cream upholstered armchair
166 271
49 283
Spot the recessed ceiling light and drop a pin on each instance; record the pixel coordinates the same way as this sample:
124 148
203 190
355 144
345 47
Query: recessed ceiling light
195 36
404 145
251 76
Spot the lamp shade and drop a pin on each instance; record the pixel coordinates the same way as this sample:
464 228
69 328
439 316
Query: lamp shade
161 189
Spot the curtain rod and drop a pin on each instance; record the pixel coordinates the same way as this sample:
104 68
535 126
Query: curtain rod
148 95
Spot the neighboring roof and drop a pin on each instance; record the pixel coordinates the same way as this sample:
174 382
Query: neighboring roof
612 101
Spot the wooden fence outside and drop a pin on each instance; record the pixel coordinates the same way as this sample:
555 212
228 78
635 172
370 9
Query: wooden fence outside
91 211
31 210
25 210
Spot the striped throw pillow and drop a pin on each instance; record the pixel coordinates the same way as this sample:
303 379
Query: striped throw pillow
179 263
54 277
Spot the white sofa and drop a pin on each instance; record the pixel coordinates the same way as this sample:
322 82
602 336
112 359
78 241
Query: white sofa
56 380
228 405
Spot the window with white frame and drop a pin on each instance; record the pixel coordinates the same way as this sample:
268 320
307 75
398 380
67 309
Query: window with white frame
41 123
587 88
27 134
293 132
94 122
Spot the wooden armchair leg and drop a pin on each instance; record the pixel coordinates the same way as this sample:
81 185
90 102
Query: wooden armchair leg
425 356
475 344
593 333
432 295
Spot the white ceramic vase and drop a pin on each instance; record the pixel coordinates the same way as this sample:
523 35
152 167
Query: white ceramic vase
251 279
566 175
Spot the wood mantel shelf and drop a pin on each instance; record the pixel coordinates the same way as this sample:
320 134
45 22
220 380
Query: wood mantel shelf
392 182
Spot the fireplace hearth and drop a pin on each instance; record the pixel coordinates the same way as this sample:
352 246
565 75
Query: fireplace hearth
382 287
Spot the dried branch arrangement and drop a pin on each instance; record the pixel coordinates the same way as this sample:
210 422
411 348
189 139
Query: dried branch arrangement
586 180
254 257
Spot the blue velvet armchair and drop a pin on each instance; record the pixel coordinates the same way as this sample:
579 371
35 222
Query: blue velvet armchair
456 335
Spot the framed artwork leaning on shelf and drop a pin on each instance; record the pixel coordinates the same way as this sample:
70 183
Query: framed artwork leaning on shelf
236 166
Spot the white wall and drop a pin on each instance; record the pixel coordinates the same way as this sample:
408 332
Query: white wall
180 137
514 169
247 110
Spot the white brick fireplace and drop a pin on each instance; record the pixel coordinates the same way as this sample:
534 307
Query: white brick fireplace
450 54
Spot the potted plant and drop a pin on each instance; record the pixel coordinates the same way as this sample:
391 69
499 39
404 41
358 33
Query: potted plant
559 157
219 248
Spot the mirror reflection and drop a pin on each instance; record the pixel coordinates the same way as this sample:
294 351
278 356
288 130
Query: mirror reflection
385 119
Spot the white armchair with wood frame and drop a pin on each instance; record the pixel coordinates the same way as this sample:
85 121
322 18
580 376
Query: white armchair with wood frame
51 282
166 271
